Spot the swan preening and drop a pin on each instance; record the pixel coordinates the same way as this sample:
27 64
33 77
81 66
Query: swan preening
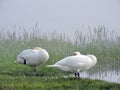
75 63
33 57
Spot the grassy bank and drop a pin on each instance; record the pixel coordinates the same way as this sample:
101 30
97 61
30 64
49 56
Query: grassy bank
48 83
103 43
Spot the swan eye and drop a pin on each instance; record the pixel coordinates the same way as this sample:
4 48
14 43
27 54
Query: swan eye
74 54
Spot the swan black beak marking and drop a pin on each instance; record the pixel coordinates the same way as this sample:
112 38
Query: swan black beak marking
24 60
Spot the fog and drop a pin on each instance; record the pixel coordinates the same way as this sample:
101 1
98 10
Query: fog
60 15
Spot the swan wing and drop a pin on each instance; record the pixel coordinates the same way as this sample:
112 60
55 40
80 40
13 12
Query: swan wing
74 61
32 57
28 54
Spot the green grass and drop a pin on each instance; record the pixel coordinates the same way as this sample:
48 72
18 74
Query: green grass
103 43
49 83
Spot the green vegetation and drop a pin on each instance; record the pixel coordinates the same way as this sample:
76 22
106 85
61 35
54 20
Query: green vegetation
43 83
103 43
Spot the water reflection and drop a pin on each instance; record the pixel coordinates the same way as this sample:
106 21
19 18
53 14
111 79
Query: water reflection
110 76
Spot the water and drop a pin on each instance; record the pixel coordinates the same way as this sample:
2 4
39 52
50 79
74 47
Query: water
109 76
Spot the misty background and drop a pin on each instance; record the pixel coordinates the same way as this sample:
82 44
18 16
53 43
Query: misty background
64 16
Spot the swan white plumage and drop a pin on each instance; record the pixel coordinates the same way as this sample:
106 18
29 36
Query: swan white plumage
33 57
75 63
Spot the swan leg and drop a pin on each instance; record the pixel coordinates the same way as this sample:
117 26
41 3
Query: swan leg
77 74
34 71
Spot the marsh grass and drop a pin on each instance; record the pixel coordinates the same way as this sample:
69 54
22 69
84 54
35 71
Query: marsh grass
103 43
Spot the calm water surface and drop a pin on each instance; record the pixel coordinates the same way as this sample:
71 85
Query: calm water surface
110 76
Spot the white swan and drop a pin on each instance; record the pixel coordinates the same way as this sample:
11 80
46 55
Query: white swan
75 63
33 57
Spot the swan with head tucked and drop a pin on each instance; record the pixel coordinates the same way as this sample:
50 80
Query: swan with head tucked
75 63
33 57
